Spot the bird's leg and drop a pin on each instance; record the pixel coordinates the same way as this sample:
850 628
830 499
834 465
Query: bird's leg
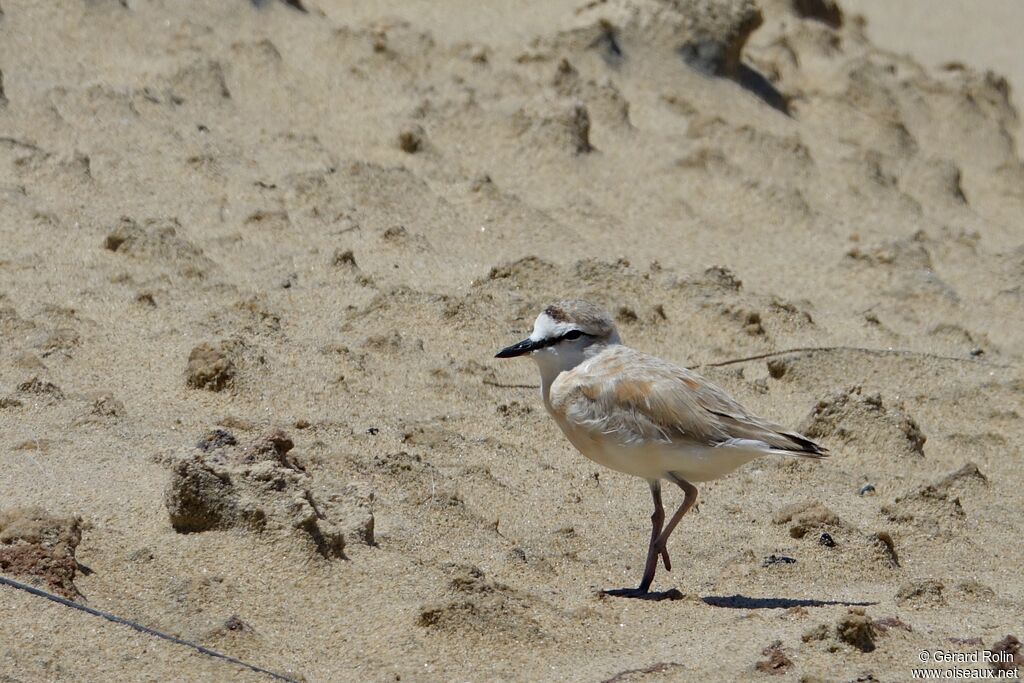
689 499
657 521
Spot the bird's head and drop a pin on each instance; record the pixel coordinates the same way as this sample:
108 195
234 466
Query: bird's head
563 332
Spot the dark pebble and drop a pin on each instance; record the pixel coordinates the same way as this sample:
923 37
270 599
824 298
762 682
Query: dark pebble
826 540
217 438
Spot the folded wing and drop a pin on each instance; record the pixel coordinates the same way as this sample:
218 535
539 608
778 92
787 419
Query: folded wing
634 398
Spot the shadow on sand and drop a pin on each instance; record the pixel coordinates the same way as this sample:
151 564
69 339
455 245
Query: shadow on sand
744 602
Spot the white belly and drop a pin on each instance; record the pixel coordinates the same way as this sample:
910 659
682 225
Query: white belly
656 460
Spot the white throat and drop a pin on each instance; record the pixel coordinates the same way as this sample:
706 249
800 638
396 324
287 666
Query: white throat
554 360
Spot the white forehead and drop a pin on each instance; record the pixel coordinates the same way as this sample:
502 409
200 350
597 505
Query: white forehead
546 327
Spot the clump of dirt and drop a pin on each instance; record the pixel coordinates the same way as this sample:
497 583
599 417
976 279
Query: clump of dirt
886 547
777 663
211 366
854 630
35 386
827 12
262 487
40 547
1010 646
848 416
806 517
411 138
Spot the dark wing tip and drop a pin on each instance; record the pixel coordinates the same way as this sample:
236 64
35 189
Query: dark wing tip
805 446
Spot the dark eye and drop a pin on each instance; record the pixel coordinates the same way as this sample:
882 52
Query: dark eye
573 334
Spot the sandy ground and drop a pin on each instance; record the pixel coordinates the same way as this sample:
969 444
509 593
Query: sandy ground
255 262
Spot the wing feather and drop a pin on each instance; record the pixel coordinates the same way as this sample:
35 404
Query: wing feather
636 398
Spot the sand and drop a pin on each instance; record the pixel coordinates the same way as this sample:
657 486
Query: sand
255 261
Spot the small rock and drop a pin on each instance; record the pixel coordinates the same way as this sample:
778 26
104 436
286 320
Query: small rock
887 547
856 629
216 438
777 367
866 489
410 138
626 315
826 540
806 516
777 663
344 258
578 124
1009 652
235 623
827 12
146 299
210 367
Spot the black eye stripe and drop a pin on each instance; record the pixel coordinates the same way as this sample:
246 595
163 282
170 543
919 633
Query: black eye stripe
551 341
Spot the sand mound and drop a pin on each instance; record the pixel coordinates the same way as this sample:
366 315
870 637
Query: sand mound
481 608
262 487
40 547
935 509
864 423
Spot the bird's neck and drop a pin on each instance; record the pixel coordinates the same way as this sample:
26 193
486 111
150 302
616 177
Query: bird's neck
553 363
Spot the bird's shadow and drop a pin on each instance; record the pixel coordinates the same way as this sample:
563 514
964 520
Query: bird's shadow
745 602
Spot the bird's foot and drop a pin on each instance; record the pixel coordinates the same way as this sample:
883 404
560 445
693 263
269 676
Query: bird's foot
644 594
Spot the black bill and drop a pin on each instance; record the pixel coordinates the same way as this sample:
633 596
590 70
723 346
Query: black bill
519 349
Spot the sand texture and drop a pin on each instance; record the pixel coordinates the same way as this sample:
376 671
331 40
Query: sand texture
256 258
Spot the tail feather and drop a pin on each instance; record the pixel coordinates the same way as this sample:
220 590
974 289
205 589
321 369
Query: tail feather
794 444
802 446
